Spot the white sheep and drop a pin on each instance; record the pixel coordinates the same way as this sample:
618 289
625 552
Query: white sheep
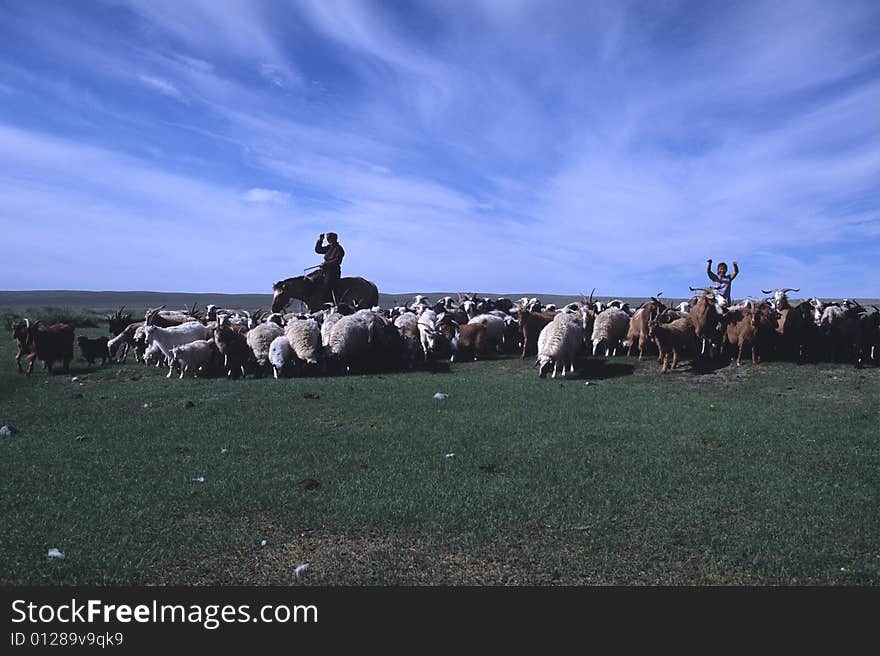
281 356
259 339
168 338
195 356
558 345
304 337
330 319
609 330
349 341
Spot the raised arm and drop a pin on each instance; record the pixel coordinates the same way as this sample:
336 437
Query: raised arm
318 247
735 270
709 273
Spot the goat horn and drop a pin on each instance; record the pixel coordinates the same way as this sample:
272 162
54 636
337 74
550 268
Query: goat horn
699 289
768 291
27 323
791 289
591 295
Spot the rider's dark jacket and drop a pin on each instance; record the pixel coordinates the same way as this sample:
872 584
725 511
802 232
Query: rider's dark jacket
333 254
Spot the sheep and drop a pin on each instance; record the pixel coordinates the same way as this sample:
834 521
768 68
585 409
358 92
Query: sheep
609 330
407 325
197 356
868 335
281 356
676 337
387 350
92 349
259 339
349 341
304 337
168 338
558 345
233 347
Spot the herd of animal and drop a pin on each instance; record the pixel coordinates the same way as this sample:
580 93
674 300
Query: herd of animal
236 343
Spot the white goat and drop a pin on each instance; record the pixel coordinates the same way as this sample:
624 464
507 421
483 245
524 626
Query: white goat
195 356
167 338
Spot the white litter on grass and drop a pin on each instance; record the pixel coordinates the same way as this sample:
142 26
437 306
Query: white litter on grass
54 553
146 405
440 396
587 383
263 543
200 479
299 569
449 455
6 431
222 451
74 379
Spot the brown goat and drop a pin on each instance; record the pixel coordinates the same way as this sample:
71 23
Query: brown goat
739 328
530 326
50 343
676 337
704 317
638 326
470 338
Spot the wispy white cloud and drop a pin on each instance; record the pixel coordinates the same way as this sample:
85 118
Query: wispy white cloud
271 196
164 87
504 145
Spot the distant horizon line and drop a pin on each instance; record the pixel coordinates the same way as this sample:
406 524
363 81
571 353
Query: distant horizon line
383 293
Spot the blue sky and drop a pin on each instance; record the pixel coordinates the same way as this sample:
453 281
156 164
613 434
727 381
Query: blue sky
491 145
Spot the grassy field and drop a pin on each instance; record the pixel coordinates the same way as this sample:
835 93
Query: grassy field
750 475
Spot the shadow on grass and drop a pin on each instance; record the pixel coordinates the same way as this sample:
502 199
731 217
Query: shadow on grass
702 365
601 369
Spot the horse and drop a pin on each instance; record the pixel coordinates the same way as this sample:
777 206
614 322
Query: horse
357 292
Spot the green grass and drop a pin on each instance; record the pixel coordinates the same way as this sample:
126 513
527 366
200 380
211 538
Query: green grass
749 475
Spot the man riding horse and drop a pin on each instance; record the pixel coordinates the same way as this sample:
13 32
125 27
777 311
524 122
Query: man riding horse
325 284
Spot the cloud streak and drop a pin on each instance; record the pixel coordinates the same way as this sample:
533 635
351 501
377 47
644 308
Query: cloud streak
499 146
